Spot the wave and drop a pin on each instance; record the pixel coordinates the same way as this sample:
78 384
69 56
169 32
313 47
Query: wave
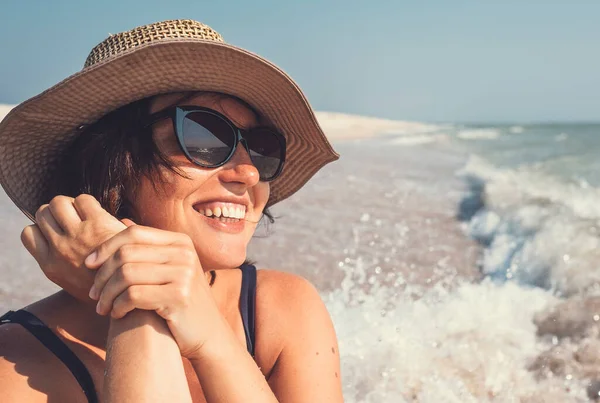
473 343
537 229
478 134
418 139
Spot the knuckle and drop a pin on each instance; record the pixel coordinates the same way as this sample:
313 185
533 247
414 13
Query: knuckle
182 293
59 200
135 231
40 212
188 273
132 294
188 254
84 198
186 239
126 273
124 253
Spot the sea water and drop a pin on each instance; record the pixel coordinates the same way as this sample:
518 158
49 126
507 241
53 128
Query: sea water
466 262
459 263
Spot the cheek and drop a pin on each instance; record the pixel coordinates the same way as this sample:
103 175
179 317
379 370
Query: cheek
261 196
154 204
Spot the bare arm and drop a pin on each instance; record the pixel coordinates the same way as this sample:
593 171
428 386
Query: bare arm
228 373
143 363
307 369
308 366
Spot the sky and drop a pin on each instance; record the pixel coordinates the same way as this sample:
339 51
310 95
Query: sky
433 61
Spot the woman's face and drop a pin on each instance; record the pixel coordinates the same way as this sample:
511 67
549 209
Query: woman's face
181 204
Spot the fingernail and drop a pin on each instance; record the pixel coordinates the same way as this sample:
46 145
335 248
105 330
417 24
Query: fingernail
93 292
98 309
91 258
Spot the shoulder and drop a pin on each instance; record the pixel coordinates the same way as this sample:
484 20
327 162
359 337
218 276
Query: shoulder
286 291
29 372
290 307
291 314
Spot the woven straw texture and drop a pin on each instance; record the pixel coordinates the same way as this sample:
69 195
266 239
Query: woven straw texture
166 57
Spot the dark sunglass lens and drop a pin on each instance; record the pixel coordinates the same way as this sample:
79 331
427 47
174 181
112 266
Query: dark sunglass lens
207 138
266 151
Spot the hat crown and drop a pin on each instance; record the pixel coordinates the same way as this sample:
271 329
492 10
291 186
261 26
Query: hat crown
159 31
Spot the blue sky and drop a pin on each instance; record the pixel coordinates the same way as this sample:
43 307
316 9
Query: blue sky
437 60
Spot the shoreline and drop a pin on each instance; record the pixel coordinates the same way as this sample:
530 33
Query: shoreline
341 127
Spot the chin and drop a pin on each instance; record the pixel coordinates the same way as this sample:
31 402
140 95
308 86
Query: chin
222 259
222 264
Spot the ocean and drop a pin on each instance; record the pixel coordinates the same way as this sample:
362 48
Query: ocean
466 262
460 263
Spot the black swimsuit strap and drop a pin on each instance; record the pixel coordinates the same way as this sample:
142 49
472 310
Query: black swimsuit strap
248 305
53 343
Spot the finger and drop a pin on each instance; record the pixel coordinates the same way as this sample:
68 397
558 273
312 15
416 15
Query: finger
87 206
64 213
130 254
136 234
128 222
131 274
146 297
35 242
47 224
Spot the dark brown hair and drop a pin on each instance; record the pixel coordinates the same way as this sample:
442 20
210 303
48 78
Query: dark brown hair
108 159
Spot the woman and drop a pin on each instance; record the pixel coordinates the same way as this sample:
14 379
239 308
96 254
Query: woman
169 145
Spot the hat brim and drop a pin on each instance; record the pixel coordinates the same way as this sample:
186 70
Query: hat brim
35 134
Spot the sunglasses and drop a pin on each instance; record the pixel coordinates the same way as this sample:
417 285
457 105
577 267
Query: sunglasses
209 139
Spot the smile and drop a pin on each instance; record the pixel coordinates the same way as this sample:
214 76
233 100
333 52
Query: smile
228 217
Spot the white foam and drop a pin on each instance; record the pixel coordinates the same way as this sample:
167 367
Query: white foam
418 139
516 129
478 134
473 343
539 230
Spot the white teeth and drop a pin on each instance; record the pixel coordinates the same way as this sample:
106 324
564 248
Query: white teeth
225 213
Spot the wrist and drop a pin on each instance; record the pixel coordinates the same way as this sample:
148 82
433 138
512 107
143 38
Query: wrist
144 322
221 345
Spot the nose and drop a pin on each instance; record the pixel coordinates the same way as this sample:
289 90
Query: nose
240 169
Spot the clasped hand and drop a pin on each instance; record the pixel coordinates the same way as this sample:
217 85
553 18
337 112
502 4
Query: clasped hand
88 252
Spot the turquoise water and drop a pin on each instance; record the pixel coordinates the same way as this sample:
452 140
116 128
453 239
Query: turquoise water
570 152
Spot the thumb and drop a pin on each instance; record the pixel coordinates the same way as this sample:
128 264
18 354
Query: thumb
128 222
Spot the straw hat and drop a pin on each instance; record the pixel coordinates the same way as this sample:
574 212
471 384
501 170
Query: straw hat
168 56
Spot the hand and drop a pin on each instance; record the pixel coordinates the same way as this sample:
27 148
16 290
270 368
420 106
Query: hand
67 230
151 269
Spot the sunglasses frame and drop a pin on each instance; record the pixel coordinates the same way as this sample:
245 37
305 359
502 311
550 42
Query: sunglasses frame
177 114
